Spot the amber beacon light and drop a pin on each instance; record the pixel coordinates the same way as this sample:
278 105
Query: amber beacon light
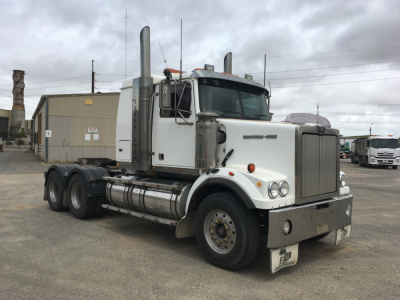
251 168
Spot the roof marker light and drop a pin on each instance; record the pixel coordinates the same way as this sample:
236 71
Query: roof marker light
209 68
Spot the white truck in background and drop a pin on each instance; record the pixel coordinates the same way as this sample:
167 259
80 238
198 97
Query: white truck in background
197 151
376 151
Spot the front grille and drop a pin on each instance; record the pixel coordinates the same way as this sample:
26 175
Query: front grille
385 155
317 165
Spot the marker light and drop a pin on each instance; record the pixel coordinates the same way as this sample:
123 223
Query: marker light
231 173
251 168
209 68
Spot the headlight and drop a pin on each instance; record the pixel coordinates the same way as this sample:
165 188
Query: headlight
273 190
342 180
283 188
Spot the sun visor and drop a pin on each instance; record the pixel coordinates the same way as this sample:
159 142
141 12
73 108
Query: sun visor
303 118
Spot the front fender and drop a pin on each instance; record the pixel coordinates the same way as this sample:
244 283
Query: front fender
252 189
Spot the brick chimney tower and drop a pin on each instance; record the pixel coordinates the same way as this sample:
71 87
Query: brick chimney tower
18 108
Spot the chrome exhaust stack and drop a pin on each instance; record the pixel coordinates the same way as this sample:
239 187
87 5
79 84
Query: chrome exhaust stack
142 92
228 63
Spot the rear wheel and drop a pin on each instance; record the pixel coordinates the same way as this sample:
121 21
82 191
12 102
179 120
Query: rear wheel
227 233
80 205
54 192
352 160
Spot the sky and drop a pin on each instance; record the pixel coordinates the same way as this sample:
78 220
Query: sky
341 55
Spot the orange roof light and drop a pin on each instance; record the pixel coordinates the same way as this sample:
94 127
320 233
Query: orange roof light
173 70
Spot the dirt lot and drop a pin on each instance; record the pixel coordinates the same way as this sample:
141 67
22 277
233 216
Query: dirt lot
49 255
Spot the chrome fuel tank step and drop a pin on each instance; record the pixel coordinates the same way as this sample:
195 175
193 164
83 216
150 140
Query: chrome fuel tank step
153 196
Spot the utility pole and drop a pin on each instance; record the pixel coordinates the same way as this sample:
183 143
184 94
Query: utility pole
126 40
265 65
92 78
370 129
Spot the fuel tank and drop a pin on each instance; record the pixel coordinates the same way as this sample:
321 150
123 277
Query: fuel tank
154 196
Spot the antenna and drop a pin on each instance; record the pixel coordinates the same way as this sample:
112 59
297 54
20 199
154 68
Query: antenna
163 55
126 40
180 74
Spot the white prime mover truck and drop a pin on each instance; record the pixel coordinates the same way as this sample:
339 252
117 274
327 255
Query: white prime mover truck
197 151
376 151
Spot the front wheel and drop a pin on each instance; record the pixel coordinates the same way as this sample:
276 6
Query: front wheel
227 233
394 167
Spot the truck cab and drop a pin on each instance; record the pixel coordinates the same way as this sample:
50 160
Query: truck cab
197 151
377 151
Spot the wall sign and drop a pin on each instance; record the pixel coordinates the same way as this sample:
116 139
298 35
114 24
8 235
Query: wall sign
92 129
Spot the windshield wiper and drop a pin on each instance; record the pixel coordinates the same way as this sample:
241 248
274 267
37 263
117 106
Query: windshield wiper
227 112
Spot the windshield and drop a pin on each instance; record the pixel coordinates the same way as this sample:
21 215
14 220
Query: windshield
385 143
232 100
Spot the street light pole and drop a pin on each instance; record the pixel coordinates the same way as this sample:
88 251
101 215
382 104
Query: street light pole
370 129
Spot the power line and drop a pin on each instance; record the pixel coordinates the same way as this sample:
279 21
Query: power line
61 66
330 52
49 87
113 75
294 86
51 80
349 73
332 67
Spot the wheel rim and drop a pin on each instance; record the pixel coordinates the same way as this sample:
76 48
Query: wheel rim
76 195
220 231
53 191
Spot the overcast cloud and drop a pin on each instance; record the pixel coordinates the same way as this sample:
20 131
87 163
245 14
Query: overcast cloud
37 35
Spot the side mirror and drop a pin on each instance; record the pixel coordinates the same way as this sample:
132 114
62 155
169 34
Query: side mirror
165 95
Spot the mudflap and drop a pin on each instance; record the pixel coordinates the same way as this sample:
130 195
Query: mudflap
283 257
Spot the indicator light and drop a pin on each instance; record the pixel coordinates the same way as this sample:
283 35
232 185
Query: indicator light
251 168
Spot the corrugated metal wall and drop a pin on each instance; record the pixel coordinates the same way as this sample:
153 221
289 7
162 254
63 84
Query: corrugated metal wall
69 119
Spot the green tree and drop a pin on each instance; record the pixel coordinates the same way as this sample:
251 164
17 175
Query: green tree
19 135
4 134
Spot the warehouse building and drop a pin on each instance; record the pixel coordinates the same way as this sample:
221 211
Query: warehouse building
68 128
5 120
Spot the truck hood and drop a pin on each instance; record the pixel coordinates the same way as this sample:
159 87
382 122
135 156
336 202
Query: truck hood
269 146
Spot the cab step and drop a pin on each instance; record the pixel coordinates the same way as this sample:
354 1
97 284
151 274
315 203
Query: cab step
141 215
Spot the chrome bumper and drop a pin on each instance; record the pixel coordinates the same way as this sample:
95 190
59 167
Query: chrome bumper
308 220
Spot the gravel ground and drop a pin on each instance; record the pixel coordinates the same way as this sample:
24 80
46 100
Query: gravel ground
49 255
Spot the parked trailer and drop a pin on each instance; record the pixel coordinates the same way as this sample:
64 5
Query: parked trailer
197 151
376 151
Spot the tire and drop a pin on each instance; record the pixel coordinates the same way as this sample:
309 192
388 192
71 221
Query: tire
80 205
394 167
360 161
318 237
54 193
223 222
352 160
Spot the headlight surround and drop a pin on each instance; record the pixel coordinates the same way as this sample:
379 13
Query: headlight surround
283 188
342 180
273 190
